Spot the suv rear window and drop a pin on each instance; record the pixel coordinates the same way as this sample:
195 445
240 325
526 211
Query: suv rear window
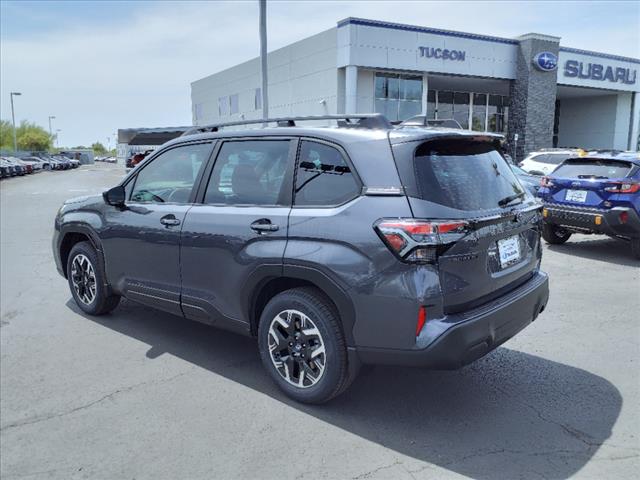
551 158
593 168
464 175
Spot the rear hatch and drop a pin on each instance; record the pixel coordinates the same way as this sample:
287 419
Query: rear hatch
586 182
468 180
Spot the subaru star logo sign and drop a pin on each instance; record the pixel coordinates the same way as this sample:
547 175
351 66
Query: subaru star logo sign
546 61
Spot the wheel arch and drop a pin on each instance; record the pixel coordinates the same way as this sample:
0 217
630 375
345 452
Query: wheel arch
71 235
294 277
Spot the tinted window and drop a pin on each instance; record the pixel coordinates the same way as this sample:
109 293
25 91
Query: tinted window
249 173
463 175
551 158
593 168
323 177
170 176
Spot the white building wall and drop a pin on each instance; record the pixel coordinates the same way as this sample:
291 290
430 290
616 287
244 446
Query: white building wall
389 48
301 75
595 121
366 87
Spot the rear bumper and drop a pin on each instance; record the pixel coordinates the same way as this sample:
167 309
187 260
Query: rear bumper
457 340
583 218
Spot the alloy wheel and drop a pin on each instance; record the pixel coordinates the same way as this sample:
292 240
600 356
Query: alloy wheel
83 278
296 348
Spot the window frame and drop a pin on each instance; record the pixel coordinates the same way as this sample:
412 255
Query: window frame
345 157
286 193
133 178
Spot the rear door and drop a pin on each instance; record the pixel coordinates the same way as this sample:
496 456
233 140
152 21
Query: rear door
238 226
470 181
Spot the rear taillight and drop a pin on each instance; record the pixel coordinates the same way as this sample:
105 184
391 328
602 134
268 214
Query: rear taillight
418 241
546 182
623 187
624 217
422 318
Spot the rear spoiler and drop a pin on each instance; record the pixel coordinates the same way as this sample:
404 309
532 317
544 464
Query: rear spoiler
512 214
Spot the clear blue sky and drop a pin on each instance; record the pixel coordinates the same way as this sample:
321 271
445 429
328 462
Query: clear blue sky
103 65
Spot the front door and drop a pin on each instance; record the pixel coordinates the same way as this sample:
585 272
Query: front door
239 226
142 241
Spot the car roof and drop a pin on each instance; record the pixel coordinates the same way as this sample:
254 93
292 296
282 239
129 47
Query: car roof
552 152
633 157
344 135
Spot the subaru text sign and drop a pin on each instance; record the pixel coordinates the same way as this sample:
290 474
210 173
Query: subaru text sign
442 53
596 71
546 61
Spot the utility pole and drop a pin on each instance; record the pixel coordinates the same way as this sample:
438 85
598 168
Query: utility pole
263 58
13 119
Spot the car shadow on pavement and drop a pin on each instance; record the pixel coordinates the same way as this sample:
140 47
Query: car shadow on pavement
603 249
509 415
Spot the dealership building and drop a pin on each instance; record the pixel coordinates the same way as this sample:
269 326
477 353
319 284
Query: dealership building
535 91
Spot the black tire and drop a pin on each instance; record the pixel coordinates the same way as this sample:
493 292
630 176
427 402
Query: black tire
555 235
96 301
335 377
635 248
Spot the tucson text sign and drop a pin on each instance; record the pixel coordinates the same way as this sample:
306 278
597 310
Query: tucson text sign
442 53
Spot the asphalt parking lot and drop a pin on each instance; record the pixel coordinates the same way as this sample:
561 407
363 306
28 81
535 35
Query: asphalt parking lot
141 394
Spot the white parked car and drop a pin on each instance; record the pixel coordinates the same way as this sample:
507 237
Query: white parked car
543 162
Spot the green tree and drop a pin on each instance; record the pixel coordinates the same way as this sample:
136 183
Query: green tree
98 148
6 135
33 137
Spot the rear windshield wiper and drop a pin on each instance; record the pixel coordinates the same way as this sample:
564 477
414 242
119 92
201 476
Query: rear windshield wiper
509 199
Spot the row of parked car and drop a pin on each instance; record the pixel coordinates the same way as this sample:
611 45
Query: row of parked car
18 166
106 159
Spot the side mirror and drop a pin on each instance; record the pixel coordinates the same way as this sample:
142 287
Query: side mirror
115 196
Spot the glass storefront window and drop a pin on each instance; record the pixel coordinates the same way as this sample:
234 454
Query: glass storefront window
479 112
431 104
505 113
445 105
498 113
398 97
461 108
411 88
409 109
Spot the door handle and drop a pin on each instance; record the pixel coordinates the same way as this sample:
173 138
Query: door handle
264 225
169 220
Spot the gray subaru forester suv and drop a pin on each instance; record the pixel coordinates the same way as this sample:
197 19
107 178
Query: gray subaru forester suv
336 246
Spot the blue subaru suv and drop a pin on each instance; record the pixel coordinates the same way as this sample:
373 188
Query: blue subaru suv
598 193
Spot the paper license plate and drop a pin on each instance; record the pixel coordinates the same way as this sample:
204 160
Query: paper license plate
576 196
509 250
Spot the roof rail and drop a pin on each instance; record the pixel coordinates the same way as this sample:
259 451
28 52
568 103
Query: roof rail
362 120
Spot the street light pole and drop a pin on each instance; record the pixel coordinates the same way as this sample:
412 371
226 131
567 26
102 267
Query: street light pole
13 119
51 117
57 137
263 58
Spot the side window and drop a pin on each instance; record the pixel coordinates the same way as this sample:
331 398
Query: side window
323 178
170 176
250 172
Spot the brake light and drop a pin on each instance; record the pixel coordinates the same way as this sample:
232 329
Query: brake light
422 318
417 241
546 182
623 187
624 217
